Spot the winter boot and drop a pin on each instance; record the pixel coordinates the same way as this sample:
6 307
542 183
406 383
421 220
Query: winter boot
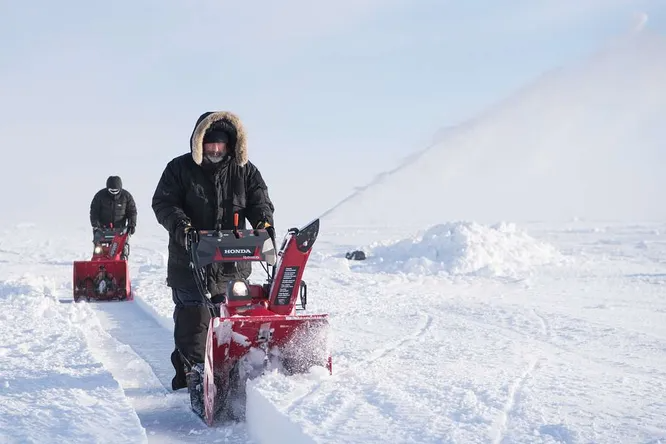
180 380
195 387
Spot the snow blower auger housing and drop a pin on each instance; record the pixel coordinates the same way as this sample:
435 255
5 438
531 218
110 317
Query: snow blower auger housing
105 276
255 328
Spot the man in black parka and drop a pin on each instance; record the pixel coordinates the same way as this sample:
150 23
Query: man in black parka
203 189
115 206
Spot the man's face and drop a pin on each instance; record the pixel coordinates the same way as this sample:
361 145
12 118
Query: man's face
214 151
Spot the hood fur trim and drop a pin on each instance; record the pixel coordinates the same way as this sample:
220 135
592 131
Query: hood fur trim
210 119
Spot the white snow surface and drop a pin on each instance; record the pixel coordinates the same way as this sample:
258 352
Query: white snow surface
453 330
571 352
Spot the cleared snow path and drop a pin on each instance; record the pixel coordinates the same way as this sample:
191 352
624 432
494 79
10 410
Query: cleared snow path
97 372
136 348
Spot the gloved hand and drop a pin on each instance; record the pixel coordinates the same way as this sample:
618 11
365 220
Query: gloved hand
181 233
264 225
131 229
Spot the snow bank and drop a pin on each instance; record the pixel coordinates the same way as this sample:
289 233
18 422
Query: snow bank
266 416
464 248
51 388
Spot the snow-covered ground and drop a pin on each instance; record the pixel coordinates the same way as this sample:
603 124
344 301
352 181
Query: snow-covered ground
458 333
461 331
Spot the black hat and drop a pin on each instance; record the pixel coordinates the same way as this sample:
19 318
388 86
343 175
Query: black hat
114 182
216 135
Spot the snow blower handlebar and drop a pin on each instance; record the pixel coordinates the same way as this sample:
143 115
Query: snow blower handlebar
104 232
235 245
210 246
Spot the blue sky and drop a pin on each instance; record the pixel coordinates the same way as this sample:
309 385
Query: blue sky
346 87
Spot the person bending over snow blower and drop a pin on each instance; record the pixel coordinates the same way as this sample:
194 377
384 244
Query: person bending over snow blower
203 189
114 207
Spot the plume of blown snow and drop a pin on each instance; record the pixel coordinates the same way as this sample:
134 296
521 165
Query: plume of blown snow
465 248
641 19
583 141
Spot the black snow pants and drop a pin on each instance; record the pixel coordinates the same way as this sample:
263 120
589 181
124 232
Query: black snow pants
191 318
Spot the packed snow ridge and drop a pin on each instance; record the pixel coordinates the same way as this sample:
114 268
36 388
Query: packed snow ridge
464 248
52 387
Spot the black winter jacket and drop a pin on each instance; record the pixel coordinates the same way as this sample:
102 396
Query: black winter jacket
186 192
107 209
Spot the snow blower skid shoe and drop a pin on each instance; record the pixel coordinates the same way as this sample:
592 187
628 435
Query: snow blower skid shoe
257 329
105 276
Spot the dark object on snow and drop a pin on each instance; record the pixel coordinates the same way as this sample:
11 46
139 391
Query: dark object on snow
356 255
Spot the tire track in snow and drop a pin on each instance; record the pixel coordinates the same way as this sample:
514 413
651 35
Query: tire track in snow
557 351
513 394
545 326
340 403
375 356
396 345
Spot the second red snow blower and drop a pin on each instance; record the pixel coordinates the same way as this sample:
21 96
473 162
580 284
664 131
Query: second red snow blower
255 328
105 276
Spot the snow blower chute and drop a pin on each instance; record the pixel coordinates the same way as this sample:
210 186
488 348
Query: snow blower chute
255 327
105 276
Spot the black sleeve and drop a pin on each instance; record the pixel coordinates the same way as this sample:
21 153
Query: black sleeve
95 207
168 200
131 211
259 205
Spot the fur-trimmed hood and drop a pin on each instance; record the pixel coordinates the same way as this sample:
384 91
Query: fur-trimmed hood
228 121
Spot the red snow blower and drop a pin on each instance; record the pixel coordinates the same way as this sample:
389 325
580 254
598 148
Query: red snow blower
255 328
105 277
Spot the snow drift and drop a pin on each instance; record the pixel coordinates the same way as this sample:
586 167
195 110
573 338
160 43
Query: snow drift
464 248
